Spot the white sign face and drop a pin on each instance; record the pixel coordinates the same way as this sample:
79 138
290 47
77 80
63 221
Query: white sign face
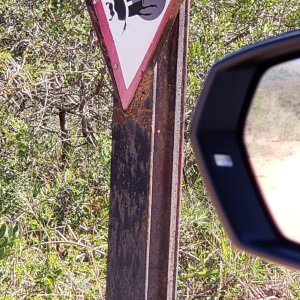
131 31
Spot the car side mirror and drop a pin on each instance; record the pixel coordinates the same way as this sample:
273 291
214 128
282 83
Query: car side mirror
246 137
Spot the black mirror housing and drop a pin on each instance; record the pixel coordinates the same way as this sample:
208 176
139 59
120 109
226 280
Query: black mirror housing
217 138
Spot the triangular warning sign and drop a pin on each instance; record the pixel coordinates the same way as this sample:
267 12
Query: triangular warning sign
131 31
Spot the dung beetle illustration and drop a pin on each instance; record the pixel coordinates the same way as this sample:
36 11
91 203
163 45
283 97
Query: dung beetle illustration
147 9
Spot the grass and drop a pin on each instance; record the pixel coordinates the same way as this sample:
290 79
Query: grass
212 268
54 220
53 227
53 215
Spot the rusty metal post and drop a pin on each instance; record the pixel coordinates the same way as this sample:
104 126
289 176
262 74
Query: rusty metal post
146 179
169 85
146 171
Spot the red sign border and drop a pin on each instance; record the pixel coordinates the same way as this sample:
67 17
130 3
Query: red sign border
127 94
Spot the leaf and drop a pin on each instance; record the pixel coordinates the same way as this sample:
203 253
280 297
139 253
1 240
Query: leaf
2 253
3 230
16 231
3 242
224 247
49 281
204 273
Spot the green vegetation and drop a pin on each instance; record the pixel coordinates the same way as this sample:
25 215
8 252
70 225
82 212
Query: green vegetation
55 114
275 110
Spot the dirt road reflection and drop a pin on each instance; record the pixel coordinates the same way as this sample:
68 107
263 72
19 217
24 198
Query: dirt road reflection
276 165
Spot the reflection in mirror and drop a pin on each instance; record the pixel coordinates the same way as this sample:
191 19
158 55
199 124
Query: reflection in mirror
272 139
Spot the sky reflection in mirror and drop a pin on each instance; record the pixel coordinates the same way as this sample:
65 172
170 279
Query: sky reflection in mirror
272 139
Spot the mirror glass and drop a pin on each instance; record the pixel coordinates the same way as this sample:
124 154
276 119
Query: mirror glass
272 139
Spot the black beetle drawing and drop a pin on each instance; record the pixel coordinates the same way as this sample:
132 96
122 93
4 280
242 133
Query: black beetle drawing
146 9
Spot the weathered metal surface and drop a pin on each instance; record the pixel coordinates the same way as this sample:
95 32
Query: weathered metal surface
129 199
146 178
167 170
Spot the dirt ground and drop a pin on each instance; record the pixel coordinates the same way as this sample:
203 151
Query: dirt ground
276 165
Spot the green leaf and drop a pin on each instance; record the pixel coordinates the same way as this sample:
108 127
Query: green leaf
3 230
16 231
2 253
3 242
204 273
49 281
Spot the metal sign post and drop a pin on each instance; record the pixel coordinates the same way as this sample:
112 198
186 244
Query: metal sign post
146 171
